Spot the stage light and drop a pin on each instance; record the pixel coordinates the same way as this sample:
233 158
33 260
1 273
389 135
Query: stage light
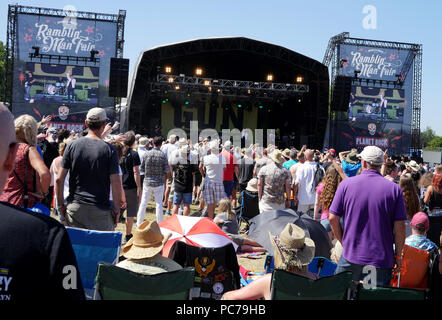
187 102
168 69
164 101
299 100
93 53
170 79
341 63
177 87
218 90
239 106
249 91
269 77
206 82
299 79
36 51
357 72
199 71
261 106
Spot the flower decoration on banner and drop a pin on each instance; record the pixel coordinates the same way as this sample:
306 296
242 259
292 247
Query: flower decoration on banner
106 83
28 37
101 53
47 20
89 30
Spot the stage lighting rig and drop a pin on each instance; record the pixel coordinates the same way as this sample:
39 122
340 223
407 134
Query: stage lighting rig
36 52
357 72
299 79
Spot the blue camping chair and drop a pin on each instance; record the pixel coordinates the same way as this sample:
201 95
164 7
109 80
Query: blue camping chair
322 267
92 247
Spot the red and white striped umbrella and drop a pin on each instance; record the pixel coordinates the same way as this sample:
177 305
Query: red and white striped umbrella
196 231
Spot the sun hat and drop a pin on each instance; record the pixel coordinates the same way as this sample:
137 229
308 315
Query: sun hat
372 155
294 247
352 158
184 150
213 145
420 219
413 165
276 156
146 242
96 115
252 185
286 153
143 142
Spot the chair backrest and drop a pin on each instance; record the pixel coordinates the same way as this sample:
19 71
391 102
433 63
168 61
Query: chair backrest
115 283
383 293
415 269
289 286
216 269
435 229
322 267
92 247
249 205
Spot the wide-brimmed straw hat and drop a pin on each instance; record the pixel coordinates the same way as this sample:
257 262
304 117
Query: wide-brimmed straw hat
413 165
286 153
277 156
295 249
147 242
252 185
352 158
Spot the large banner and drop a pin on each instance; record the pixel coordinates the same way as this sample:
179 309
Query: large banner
58 87
377 115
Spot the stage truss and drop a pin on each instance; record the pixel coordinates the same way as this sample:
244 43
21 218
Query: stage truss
332 55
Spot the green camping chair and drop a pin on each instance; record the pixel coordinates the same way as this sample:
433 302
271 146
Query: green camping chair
115 283
289 286
389 293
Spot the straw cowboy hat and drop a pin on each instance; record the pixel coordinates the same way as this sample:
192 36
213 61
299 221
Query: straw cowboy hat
352 158
413 165
294 247
252 185
277 156
147 242
143 142
286 153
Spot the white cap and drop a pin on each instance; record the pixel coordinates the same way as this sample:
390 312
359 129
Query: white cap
373 155
96 115
228 144
182 142
213 145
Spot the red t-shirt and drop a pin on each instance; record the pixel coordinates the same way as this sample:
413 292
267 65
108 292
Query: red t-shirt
231 163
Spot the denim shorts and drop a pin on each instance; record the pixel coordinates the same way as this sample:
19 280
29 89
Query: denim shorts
186 198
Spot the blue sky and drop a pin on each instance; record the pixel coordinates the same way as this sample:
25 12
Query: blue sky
302 26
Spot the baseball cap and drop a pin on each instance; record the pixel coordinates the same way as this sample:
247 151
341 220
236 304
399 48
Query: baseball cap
96 115
373 155
213 145
228 144
420 218
143 141
332 151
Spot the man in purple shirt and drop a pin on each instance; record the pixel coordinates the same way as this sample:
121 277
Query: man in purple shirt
373 213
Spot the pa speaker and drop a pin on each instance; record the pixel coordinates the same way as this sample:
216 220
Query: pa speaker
118 77
341 93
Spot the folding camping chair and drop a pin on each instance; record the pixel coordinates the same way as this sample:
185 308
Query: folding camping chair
249 207
216 269
389 293
115 283
415 270
289 286
92 247
322 267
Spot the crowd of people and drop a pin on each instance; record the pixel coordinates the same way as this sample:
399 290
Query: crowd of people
370 204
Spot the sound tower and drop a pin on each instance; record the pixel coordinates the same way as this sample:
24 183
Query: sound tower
118 77
341 93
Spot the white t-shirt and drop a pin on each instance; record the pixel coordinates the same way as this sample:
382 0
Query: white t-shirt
141 151
168 148
214 167
305 177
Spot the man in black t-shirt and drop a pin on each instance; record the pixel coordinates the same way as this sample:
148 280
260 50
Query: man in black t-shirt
183 172
245 168
93 168
37 261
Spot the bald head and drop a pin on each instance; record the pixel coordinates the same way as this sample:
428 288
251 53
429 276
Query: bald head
7 144
309 155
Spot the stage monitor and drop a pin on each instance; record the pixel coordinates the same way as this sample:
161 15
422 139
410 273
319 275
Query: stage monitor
371 104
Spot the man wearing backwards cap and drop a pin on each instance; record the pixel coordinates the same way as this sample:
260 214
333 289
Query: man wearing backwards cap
93 168
420 224
373 210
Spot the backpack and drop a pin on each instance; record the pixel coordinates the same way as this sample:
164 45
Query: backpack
319 175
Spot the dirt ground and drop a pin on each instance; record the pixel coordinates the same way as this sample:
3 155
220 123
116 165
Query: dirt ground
255 265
